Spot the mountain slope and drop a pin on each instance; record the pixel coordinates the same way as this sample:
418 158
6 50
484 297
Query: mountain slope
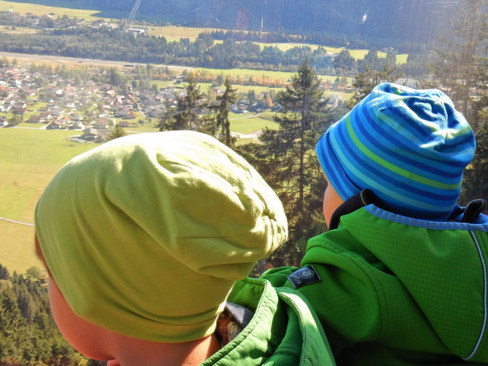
382 22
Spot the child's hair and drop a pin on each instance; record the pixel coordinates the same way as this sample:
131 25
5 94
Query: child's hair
408 146
146 234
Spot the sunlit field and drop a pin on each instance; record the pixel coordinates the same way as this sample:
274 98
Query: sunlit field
23 8
30 158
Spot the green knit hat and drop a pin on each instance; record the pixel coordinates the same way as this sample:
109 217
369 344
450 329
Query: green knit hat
146 234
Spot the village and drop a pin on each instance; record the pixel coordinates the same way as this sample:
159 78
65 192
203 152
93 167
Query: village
66 99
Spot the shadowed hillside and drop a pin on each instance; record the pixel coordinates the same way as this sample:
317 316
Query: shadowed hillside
378 22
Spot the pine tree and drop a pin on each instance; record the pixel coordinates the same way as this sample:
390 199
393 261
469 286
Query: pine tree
475 183
294 172
460 63
4 275
186 115
222 123
367 79
116 132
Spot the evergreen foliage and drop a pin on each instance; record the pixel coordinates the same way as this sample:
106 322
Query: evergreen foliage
186 115
116 132
221 128
28 334
461 69
475 184
366 80
295 173
460 62
379 21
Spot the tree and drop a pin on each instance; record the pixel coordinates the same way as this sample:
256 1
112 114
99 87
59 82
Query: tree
295 172
116 78
116 132
344 62
475 183
4 274
459 65
366 80
186 114
222 123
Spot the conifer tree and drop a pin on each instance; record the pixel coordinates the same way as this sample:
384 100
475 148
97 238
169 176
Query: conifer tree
185 116
116 132
475 183
460 63
294 171
222 123
367 79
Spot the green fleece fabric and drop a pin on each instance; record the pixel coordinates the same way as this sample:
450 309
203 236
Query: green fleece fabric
284 330
401 291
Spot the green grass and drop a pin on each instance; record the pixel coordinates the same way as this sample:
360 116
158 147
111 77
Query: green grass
246 124
22 8
30 158
174 32
16 30
17 248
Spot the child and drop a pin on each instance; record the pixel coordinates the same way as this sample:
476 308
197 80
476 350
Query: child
148 239
400 278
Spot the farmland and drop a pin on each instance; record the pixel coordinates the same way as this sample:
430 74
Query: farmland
30 158
23 8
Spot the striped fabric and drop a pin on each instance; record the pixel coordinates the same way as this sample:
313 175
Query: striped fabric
409 146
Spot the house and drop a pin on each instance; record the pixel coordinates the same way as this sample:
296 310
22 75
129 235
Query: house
122 113
100 123
56 111
19 108
55 125
98 134
35 118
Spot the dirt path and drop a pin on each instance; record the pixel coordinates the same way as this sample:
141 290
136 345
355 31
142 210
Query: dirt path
16 222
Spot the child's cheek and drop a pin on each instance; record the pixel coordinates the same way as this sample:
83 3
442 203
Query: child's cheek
85 337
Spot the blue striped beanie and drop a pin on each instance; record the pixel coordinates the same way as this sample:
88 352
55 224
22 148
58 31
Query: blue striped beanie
408 146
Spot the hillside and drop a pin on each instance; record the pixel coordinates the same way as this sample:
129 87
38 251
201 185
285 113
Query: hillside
380 23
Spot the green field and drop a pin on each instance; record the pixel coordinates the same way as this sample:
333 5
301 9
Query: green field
248 124
23 8
30 158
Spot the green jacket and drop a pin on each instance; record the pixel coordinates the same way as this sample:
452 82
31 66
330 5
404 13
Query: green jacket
392 290
284 331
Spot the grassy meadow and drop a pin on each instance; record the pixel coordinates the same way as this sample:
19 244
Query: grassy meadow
23 8
30 158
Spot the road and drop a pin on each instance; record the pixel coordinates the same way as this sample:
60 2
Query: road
81 61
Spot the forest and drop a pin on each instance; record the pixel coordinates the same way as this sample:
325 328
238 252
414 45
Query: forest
116 44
